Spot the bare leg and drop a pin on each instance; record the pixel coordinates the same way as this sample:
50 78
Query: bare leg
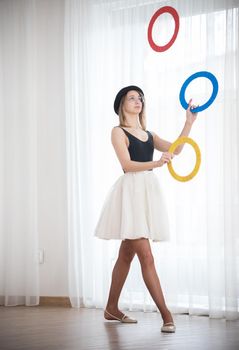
143 250
119 274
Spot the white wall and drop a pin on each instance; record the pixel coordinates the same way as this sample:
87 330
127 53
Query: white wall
52 207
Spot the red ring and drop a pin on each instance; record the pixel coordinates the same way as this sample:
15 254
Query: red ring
159 12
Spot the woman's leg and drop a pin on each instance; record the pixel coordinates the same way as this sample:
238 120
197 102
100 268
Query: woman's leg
143 250
119 274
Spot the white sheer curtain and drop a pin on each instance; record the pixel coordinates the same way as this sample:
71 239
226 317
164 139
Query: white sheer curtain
106 48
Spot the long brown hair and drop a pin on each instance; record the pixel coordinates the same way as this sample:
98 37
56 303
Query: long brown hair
122 118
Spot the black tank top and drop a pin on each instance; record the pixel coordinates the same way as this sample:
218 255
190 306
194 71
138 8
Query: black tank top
140 151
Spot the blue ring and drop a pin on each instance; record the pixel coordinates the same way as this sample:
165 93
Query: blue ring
204 74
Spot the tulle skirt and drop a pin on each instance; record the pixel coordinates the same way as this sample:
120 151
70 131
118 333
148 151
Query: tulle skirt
134 208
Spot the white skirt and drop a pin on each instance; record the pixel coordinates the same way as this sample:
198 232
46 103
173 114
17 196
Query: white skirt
134 208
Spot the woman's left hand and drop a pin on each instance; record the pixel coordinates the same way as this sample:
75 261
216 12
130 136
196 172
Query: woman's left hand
190 116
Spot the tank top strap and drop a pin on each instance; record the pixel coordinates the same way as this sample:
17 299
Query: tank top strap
128 133
125 131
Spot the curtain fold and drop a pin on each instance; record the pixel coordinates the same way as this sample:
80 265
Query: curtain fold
106 48
231 161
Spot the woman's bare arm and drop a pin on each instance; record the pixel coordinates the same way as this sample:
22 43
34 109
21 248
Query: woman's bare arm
163 145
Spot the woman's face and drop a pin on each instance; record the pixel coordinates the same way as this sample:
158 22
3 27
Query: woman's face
133 102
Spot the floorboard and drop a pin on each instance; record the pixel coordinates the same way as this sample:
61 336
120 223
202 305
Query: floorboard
55 328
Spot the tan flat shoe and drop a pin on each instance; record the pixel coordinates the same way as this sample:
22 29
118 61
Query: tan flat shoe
168 328
124 319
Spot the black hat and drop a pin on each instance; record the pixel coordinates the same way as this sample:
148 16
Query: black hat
122 93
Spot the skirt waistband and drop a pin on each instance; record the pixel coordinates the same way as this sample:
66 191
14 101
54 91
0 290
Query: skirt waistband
136 171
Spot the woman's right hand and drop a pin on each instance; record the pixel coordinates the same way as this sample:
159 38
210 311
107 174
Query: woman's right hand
165 158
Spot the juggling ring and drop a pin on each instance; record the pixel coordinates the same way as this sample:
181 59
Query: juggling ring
175 15
172 148
203 74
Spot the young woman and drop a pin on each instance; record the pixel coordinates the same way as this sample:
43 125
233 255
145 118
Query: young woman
134 210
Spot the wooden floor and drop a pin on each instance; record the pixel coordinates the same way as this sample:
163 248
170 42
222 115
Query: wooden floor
31 328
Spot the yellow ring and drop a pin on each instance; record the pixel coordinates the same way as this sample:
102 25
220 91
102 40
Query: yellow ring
172 148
